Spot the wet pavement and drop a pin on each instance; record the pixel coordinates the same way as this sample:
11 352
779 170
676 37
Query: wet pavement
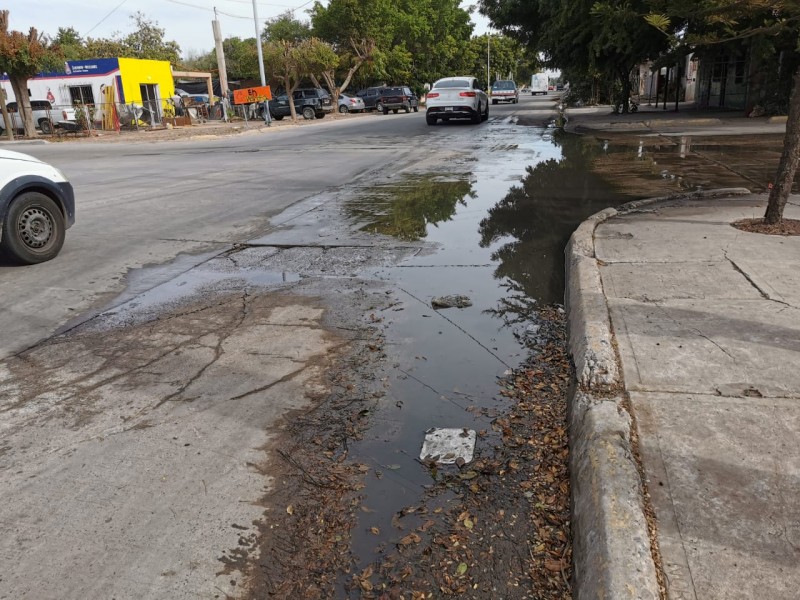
489 220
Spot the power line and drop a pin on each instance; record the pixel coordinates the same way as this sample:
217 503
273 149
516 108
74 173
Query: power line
222 12
104 18
260 3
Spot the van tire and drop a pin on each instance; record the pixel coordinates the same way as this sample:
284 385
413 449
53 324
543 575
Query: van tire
34 229
46 125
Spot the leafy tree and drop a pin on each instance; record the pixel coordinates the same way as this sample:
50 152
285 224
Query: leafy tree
285 28
21 57
290 62
507 56
241 59
584 38
147 41
416 41
707 23
351 61
71 43
105 48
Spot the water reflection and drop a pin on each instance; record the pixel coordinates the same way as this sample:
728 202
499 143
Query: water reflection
404 210
534 220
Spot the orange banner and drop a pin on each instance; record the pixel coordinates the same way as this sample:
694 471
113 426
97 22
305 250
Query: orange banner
253 94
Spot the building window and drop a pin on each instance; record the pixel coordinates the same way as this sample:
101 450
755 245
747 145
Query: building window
81 94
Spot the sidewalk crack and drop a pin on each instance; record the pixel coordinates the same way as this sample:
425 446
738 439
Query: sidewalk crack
763 293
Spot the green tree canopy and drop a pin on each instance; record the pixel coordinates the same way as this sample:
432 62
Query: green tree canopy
21 57
285 28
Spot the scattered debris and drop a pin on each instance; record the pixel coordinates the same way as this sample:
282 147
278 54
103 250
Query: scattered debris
448 446
455 301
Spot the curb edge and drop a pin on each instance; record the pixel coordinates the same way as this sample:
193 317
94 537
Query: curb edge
612 555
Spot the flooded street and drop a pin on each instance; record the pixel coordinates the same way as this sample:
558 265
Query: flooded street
251 419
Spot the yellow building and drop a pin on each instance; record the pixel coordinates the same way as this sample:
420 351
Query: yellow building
146 83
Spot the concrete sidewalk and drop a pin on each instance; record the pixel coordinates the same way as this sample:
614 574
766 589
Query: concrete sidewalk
689 120
686 333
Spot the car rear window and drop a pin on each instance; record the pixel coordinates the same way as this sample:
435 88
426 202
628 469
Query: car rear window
504 85
453 83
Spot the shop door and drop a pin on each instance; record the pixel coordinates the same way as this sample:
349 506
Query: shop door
719 80
150 101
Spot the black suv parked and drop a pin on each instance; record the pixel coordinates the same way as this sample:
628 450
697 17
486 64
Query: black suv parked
309 102
395 98
371 97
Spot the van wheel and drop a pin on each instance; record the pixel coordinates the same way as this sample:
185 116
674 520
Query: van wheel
379 107
34 230
46 126
308 113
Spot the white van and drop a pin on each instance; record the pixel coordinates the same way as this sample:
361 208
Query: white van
539 82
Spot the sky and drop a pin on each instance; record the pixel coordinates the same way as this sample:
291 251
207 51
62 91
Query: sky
188 22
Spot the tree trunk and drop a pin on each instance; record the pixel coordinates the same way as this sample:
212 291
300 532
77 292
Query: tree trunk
20 85
7 120
790 157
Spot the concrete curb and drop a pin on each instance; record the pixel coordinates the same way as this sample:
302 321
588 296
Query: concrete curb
612 556
7 142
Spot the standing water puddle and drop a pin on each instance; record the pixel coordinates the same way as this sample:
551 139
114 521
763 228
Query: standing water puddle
501 231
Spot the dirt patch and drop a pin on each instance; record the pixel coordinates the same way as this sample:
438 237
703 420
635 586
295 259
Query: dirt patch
786 227
497 526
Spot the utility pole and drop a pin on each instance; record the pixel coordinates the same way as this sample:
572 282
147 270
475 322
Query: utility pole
258 46
223 71
488 58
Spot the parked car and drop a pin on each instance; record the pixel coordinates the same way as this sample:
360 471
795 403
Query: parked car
309 102
350 104
372 97
45 117
37 206
505 90
457 98
395 98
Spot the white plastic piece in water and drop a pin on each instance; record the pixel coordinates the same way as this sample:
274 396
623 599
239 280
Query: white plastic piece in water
448 445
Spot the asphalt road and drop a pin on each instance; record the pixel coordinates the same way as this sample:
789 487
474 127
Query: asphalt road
134 451
145 204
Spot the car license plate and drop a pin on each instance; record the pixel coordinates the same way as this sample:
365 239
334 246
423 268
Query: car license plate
449 108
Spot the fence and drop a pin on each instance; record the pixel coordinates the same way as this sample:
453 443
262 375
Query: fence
116 116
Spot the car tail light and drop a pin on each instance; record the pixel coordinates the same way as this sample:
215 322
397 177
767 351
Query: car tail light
433 95
352 100
467 94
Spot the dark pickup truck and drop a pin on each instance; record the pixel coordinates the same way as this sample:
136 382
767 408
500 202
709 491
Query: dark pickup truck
309 102
395 98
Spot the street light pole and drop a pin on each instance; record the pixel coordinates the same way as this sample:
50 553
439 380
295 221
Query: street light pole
488 58
258 46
